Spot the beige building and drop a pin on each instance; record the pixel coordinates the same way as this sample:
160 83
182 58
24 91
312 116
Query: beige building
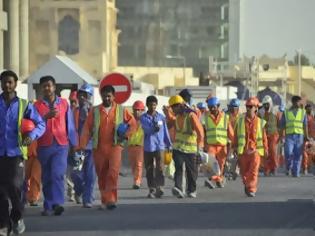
14 37
84 30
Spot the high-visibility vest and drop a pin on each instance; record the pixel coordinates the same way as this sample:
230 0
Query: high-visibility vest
22 106
136 138
186 138
271 125
294 124
241 135
119 118
217 133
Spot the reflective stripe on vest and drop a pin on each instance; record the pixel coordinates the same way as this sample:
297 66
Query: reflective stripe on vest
217 133
96 124
22 106
241 135
136 138
294 124
271 125
186 138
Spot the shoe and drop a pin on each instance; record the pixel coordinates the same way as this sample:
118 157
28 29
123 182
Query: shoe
177 192
135 186
33 203
192 194
305 172
77 199
4 231
102 207
18 227
151 193
87 205
209 184
288 172
71 199
159 193
220 184
111 206
46 213
58 210
251 194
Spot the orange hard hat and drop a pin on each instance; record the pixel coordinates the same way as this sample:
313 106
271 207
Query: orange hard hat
252 101
138 105
27 126
73 95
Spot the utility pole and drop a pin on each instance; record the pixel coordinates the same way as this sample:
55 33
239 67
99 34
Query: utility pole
299 52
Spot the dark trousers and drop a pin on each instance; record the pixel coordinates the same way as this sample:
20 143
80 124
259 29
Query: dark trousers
11 188
190 161
154 165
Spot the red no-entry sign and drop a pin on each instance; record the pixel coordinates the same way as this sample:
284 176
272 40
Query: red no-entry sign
121 84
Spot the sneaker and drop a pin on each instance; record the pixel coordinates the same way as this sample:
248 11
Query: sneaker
18 227
159 193
87 205
111 206
77 199
33 203
135 186
177 192
251 194
192 194
58 210
209 184
4 231
151 193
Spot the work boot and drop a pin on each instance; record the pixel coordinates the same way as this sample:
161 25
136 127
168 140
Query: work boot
177 192
209 184
18 227
58 210
159 192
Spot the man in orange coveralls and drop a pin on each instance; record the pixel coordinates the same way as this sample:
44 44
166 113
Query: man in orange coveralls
102 124
251 145
33 175
135 146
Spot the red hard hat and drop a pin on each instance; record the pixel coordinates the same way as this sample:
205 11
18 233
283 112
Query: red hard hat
73 95
27 126
252 101
138 105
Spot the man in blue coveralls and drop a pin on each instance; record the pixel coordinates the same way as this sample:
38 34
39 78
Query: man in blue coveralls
13 152
294 122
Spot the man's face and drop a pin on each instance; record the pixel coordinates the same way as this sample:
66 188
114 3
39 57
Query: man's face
308 110
107 98
48 88
137 113
266 106
213 109
82 96
250 109
8 84
151 106
176 108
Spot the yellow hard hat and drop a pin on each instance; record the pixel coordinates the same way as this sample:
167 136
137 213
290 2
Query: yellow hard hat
175 100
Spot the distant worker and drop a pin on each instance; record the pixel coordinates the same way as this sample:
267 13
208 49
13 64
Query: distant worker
234 110
308 159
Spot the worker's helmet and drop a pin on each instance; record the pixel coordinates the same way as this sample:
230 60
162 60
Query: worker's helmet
27 126
138 105
185 93
235 102
213 101
201 105
87 88
175 100
122 129
267 99
252 101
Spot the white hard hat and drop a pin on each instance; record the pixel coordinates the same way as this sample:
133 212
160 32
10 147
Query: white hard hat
267 99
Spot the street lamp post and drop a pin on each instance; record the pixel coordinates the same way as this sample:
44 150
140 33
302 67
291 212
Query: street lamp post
184 63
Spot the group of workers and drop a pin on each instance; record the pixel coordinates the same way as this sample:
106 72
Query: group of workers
55 139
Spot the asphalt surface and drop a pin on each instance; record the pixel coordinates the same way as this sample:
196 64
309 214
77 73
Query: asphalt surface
283 206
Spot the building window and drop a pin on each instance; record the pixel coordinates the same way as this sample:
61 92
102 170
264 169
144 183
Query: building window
68 35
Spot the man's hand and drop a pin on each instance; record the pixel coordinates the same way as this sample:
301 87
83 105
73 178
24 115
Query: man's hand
51 114
27 141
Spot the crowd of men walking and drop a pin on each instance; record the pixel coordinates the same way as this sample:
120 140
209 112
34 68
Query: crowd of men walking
84 143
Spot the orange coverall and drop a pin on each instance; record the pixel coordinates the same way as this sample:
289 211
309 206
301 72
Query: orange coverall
250 159
33 174
307 158
220 150
107 156
135 156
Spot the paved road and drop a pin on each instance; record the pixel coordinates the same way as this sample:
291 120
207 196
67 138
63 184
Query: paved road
283 206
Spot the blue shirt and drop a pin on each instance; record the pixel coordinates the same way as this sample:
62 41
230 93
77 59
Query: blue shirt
70 123
155 141
9 132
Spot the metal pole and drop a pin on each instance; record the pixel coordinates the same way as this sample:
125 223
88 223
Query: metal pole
299 71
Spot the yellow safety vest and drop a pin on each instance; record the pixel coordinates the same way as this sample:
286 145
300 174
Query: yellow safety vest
186 138
241 132
96 124
294 124
217 134
22 106
271 125
136 138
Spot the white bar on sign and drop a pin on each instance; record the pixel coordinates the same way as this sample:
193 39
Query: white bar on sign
121 88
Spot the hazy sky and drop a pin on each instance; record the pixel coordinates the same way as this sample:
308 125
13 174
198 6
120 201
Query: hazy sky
277 27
